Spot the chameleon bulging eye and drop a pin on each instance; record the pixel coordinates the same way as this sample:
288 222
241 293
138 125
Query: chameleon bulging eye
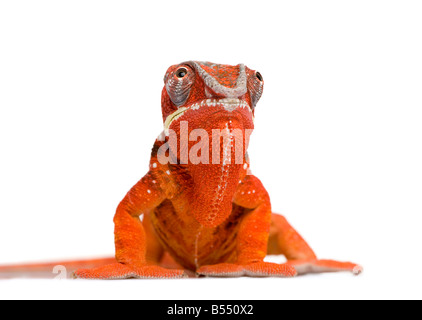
179 84
181 73
256 87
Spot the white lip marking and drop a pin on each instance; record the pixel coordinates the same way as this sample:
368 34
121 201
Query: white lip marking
229 104
175 115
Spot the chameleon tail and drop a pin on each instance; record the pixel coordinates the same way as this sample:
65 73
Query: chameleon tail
60 269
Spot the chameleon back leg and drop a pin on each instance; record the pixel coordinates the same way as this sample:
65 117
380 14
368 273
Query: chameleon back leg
285 240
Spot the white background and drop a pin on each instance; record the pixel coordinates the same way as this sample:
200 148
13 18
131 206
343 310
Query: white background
337 140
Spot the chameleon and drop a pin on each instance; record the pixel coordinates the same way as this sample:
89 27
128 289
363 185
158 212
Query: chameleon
199 210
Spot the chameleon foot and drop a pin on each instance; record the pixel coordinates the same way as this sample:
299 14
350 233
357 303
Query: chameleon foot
118 271
317 266
259 269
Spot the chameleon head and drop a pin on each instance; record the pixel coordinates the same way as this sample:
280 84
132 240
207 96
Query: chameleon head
205 101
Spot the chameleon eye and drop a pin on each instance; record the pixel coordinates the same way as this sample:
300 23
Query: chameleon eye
179 84
181 73
256 87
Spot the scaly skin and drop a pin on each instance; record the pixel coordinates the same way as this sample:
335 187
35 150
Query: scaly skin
210 219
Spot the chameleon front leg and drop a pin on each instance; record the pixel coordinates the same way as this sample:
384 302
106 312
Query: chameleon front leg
130 238
252 237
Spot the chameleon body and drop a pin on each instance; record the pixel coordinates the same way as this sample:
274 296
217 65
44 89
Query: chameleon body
214 219
210 219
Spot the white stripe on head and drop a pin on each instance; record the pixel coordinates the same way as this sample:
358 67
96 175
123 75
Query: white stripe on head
213 84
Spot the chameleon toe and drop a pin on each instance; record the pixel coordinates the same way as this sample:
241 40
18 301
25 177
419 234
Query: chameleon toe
119 271
259 269
114 271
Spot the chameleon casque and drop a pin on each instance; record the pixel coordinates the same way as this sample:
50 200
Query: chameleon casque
211 219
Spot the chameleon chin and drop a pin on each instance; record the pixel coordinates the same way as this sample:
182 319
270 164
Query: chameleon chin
209 218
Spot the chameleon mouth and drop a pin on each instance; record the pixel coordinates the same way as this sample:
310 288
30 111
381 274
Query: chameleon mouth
228 104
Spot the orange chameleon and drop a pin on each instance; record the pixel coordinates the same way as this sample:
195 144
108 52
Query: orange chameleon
202 211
